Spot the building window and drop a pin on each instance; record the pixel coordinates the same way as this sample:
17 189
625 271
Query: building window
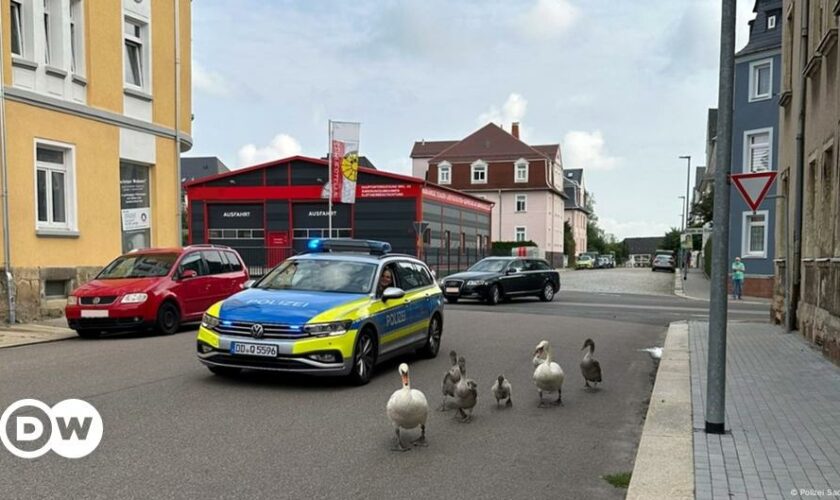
444 173
521 171
76 39
755 234
55 187
761 74
17 29
522 203
519 234
479 172
134 67
757 150
47 40
54 289
771 22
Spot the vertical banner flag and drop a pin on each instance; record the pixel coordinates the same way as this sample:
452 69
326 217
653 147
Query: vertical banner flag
344 157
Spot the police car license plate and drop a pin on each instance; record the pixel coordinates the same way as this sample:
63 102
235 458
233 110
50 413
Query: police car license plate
268 351
452 289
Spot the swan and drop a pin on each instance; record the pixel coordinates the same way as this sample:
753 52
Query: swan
501 390
548 377
590 367
450 379
407 408
466 393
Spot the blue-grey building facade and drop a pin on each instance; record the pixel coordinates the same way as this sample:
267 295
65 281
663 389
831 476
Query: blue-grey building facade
755 124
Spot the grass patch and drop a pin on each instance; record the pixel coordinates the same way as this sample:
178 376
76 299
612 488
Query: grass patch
620 480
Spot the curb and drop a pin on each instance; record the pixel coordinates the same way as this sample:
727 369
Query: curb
28 334
664 466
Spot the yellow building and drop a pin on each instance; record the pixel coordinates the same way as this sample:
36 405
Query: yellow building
96 109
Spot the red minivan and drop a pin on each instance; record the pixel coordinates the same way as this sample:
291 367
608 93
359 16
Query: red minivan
156 288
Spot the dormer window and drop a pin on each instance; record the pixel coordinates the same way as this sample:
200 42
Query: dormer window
521 170
478 172
771 22
444 173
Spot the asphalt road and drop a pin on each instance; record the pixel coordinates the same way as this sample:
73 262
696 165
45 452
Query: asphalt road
174 430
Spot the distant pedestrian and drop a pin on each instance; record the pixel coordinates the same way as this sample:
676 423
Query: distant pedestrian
686 264
737 278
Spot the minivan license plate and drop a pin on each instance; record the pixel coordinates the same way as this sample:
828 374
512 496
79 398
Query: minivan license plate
264 350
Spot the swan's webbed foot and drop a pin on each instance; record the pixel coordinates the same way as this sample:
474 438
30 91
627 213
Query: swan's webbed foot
509 403
398 446
559 401
421 441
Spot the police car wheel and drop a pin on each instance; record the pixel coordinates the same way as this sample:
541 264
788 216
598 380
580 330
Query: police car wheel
432 346
168 318
547 294
494 295
364 358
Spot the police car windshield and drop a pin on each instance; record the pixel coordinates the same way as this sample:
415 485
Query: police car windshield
489 266
139 266
321 276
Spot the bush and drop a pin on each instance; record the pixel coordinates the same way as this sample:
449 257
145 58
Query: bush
503 248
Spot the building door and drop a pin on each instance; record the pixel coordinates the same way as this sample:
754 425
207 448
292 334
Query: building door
135 207
241 227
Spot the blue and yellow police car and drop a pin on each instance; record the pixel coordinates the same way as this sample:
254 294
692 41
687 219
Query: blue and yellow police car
338 309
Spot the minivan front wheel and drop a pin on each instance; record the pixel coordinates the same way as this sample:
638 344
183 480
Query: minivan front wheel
168 318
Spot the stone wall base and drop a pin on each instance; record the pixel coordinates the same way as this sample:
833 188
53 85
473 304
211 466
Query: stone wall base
30 286
821 328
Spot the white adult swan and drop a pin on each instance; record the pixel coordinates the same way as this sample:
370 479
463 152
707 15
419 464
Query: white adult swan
407 409
548 377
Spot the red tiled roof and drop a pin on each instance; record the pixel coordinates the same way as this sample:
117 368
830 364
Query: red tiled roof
490 142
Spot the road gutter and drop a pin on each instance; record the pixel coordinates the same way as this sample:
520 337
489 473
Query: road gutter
664 466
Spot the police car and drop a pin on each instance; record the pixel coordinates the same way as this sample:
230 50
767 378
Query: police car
338 309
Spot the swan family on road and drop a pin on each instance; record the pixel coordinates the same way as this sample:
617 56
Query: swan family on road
408 408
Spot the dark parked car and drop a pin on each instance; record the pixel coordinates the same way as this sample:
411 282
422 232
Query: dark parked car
496 278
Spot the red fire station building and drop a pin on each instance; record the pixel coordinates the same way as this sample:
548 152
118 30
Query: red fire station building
270 211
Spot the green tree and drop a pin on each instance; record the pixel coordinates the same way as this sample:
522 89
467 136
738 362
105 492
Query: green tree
569 243
702 212
671 240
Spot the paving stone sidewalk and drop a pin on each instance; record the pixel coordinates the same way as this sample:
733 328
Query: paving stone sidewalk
35 333
782 418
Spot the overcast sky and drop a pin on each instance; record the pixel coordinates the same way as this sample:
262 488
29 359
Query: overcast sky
622 86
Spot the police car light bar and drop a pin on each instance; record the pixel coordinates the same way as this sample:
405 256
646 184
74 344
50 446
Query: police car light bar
347 245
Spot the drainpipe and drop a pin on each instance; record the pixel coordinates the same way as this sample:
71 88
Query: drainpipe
794 267
501 238
4 178
180 200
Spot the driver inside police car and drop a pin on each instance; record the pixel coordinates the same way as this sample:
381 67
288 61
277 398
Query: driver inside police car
385 280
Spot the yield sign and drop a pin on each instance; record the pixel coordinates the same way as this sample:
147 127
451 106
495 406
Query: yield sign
754 186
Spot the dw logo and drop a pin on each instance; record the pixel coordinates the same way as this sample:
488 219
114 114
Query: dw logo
71 428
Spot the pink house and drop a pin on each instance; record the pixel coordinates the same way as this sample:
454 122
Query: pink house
525 182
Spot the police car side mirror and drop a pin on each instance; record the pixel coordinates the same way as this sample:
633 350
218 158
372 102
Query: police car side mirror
391 293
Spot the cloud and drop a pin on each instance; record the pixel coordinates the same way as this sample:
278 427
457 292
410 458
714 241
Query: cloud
282 146
632 228
549 18
586 150
513 110
209 82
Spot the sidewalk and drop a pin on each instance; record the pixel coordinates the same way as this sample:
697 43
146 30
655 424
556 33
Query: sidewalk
35 333
782 435
783 429
697 287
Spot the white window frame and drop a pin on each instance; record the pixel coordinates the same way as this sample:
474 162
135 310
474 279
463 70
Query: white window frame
19 23
47 21
524 233
524 199
69 170
521 165
748 147
76 26
444 166
478 166
745 234
142 43
771 22
754 67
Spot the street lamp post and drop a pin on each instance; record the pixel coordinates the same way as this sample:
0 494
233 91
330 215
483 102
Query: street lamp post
685 218
682 216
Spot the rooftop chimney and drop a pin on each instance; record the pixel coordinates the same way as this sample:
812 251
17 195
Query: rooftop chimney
514 129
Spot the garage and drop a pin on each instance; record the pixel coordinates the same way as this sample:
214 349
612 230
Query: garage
270 211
